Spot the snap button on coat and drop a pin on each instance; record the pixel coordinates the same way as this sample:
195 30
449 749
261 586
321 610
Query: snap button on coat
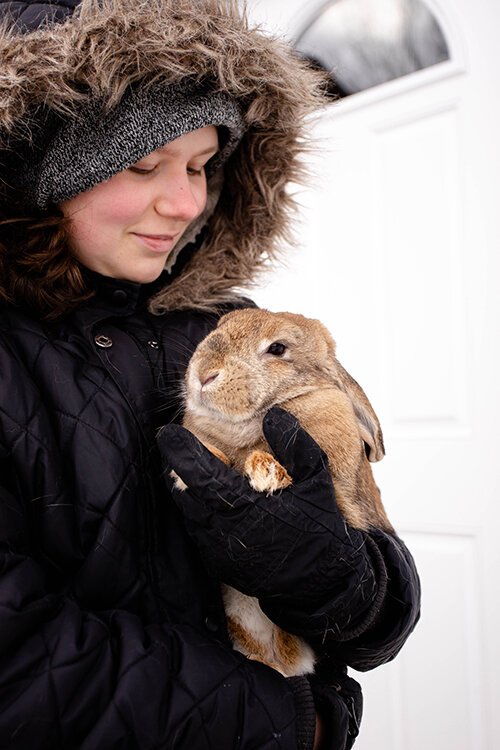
153 344
119 297
103 341
211 624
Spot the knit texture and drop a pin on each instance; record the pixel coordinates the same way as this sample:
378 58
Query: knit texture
306 714
95 145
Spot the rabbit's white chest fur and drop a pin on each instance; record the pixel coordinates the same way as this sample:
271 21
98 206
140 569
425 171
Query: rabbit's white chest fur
261 639
228 435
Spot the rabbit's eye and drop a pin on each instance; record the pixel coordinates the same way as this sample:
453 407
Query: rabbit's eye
277 349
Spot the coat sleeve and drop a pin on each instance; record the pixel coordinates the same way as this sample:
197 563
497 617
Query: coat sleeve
77 679
388 619
397 613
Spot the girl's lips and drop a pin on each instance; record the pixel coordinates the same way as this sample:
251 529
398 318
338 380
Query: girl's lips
160 243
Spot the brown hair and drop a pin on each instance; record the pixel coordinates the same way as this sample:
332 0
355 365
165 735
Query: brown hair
37 268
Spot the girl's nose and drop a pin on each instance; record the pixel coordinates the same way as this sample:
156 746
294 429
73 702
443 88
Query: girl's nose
179 200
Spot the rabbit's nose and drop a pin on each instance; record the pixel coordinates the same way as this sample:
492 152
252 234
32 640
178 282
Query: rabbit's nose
205 380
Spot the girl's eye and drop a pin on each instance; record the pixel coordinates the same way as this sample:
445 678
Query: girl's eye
276 349
194 171
142 170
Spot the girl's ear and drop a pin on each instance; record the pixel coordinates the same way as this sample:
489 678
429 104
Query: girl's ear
369 426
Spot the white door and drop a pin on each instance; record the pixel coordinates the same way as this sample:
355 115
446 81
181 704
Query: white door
399 256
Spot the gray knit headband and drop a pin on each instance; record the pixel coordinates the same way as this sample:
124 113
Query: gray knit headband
94 146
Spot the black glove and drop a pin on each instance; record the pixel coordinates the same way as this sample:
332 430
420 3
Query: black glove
339 702
293 550
335 698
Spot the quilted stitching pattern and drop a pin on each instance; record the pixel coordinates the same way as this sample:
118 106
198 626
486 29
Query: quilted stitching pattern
70 677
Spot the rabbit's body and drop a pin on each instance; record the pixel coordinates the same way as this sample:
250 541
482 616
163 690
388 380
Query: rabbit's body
252 361
357 494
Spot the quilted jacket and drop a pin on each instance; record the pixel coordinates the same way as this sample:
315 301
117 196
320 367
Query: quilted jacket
112 631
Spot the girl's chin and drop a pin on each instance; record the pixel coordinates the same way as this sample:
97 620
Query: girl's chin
147 279
136 275
144 277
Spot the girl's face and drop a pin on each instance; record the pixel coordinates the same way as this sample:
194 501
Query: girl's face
126 226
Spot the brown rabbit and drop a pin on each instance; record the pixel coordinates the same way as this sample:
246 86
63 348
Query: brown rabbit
256 359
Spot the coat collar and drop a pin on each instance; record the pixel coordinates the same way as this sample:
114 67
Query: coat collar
116 297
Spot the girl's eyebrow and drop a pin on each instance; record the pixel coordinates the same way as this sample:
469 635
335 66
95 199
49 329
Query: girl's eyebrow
168 148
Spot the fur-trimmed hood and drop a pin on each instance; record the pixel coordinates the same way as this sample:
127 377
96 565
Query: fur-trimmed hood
104 46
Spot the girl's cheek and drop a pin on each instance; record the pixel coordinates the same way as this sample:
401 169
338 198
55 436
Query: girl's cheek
122 209
116 200
110 194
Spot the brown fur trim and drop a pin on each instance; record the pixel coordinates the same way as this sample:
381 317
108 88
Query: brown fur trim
109 44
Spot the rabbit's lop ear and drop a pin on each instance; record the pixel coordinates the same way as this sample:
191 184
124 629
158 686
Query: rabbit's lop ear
319 337
324 334
369 426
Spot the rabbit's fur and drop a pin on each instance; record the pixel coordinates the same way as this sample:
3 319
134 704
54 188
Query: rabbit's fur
234 377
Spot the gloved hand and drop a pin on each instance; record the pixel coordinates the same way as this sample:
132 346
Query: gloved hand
339 703
293 549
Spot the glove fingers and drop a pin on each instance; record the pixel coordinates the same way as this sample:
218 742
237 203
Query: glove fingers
294 448
205 475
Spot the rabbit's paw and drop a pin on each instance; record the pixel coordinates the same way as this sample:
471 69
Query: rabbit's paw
264 473
178 482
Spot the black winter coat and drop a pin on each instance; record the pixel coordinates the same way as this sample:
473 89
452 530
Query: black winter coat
111 632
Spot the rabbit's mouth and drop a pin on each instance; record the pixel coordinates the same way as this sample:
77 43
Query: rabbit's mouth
205 407
222 428
215 393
